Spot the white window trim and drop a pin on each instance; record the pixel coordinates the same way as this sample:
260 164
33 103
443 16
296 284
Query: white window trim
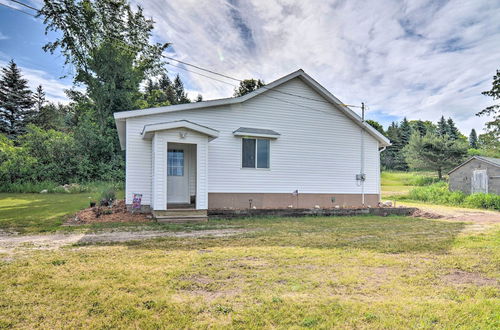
241 154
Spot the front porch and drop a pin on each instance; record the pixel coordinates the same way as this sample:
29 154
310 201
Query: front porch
180 169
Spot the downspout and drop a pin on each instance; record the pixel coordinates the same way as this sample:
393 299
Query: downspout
362 172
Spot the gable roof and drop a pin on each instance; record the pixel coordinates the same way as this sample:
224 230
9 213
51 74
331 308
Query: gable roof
120 117
489 160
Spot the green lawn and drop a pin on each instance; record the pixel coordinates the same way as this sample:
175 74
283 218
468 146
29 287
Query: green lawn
30 213
38 212
343 272
396 183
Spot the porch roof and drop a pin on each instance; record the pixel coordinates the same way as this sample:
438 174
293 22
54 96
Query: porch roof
148 130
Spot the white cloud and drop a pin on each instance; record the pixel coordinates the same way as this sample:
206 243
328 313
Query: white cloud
422 59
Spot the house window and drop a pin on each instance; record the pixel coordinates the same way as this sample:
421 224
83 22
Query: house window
255 153
175 160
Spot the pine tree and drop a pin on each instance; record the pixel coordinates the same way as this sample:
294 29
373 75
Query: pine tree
39 98
442 129
452 130
180 94
405 131
473 143
16 101
419 127
168 89
199 98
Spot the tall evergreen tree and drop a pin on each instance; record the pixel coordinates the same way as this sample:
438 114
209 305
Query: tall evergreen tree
39 98
473 143
180 94
199 98
392 158
16 101
168 89
452 130
442 128
405 132
418 126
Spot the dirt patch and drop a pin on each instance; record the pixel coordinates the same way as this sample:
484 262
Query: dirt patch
116 213
426 215
9 243
460 277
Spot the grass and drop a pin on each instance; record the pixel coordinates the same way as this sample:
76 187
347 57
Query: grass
315 272
396 183
32 213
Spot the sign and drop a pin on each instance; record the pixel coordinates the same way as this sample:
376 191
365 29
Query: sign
136 201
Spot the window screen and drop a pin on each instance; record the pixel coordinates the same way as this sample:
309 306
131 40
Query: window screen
255 153
175 160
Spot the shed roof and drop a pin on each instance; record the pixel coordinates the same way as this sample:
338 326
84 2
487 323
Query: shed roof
489 160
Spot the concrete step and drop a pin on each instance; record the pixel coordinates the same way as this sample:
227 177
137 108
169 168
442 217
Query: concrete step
180 213
177 219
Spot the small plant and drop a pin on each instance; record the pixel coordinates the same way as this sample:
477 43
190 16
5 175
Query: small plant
108 196
58 262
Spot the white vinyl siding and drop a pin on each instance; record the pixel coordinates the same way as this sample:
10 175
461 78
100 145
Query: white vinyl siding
318 150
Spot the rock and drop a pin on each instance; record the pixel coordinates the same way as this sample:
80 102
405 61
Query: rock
337 207
44 191
317 207
290 206
387 204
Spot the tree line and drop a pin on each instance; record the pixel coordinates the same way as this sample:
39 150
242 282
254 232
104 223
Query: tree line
424 145
116 68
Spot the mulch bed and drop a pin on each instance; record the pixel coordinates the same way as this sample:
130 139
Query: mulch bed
116 213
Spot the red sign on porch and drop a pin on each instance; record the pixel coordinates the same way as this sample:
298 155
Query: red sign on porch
136 201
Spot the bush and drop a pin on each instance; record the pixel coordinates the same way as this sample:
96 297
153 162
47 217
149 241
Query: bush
438 193
108 196
484 201
420 180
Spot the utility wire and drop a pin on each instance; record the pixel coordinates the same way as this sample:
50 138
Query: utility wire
25 5
128 47
201 74
17 9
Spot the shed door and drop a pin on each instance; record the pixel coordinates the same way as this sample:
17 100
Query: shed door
479 181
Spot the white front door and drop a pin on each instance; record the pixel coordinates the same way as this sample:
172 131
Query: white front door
177 174
479 181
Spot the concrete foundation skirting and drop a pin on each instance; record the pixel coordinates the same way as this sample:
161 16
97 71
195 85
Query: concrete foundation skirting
284 200
228 214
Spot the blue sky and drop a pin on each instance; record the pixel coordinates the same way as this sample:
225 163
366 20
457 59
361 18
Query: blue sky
420 59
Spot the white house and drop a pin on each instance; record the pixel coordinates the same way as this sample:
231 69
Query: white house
288 144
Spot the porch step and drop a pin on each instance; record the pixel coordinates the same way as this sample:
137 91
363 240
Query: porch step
174 219
180 215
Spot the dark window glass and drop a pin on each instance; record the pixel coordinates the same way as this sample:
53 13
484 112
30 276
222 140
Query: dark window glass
262 153
248 153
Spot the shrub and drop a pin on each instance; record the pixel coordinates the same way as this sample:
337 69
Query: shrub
108 196
485 201
438 193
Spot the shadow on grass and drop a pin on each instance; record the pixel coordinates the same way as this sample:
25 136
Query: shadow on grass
381 234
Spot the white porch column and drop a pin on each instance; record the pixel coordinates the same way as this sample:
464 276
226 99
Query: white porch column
159 149
202 174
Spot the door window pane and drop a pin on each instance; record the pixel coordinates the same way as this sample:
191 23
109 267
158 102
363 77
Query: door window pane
248 153
175 162
262 153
